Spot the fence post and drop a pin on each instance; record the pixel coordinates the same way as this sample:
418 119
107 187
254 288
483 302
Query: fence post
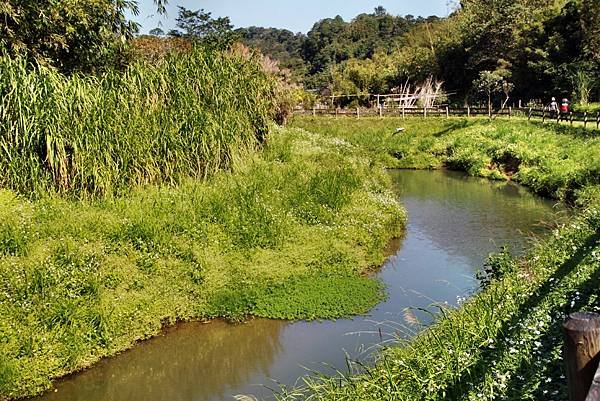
314 111
380 111
529 115
584 119
509 111
424 111
543 116
468 111
358 112
447 112
582 352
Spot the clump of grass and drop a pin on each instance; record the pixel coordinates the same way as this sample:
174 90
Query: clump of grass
187 116
333 296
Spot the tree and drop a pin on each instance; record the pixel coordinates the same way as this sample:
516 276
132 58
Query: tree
200 27
380 11
157 32
489 82
71 35
583 84
279 44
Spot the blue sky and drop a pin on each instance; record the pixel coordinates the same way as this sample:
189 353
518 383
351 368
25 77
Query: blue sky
297 16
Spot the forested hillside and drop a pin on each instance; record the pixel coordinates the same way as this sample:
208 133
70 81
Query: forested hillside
529 49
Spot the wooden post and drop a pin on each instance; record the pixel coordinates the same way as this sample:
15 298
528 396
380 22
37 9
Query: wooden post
468 111
520 106
594 393
509 111
447 112
378 104
582 352
424 111
584 119
380 110
544 116
529 115
314 111
358 112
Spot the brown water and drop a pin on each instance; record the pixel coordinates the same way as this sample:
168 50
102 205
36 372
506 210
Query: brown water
454 223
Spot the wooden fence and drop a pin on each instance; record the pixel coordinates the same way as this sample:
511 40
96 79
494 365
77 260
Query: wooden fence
444 111
582 356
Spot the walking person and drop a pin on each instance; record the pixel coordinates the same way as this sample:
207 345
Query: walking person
564 109
553 106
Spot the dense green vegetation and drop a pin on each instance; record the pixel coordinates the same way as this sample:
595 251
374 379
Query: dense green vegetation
139 188
332 41
289 234
149 125
505 342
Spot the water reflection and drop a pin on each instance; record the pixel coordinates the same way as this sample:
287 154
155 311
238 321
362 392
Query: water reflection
470 217
194 362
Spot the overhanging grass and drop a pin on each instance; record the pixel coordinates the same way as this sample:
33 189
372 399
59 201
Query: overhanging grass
81 280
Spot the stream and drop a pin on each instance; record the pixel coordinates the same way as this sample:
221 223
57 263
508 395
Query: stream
454 222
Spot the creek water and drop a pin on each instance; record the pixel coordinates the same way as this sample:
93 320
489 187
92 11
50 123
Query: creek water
454 222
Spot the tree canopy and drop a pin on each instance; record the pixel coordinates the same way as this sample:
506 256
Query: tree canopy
199 26
71 35
538 48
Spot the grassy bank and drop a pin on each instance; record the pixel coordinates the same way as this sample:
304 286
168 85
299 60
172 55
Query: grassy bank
289 234
505 342
554 161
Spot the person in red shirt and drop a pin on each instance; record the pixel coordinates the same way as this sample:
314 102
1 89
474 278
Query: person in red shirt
564 108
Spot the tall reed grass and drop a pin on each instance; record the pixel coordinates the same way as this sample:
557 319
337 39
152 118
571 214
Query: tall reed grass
186 116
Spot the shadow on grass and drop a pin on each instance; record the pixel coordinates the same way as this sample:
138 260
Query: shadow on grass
472 378
566 129
453 126
546 369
